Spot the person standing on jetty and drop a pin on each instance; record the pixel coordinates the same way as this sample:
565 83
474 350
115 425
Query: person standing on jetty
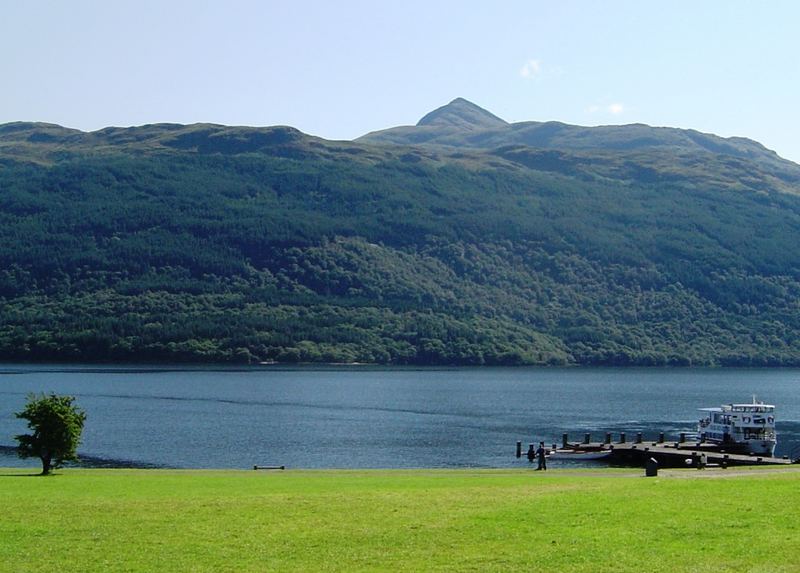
542 461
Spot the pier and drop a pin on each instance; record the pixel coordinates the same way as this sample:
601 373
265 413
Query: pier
637 452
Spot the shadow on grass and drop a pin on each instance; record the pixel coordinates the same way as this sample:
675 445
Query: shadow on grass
87 461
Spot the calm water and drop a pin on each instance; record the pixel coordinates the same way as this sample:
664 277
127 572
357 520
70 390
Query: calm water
360 417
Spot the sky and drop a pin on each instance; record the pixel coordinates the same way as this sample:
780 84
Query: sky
341 69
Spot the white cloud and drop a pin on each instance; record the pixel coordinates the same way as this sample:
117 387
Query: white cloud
530 69
613 108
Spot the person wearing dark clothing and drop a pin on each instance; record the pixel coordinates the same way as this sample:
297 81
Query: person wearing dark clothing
540 453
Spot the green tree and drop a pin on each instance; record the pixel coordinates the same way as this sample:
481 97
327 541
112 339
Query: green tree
57 424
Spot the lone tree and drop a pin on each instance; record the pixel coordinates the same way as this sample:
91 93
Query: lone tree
57 424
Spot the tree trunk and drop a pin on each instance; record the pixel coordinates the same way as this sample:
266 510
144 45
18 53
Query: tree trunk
46 464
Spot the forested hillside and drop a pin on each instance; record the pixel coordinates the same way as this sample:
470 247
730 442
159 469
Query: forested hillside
230 244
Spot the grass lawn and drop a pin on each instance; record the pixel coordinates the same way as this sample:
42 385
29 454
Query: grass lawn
423 520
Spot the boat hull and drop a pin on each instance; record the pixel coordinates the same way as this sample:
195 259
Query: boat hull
580 455
763 448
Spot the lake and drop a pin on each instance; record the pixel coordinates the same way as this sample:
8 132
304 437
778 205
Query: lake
370 417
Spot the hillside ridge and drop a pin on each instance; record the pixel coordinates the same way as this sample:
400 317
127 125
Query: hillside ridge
451 132
515 245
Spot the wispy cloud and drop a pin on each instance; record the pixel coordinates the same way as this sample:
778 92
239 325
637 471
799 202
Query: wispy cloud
613 108
530 69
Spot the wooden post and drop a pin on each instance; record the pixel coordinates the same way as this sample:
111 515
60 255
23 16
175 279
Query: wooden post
519 449
531 453
683 437
587 438
608 437
564 440
661 438
622 438
638 437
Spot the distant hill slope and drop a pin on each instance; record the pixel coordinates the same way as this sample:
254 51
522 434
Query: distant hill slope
463 124
213 243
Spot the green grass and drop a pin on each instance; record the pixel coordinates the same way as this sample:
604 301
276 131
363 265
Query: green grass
424 520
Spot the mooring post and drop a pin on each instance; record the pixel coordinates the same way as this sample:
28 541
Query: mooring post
661 437
519 449
683 437
531 453
587 438
608 437
638 437
622 438
651 468
564 440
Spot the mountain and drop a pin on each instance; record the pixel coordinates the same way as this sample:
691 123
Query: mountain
466 125
463 115
456 245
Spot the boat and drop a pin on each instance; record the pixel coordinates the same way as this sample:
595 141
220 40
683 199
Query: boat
580 453
740 428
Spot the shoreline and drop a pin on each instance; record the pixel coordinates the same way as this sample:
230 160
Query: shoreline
598 472
14 367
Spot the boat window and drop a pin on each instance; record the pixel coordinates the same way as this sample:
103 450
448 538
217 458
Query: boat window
753 434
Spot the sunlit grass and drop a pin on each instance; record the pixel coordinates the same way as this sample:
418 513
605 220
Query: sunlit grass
425 520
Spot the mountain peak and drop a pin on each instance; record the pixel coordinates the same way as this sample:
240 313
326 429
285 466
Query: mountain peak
462 114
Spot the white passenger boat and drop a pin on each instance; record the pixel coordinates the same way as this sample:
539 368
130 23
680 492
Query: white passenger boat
740 428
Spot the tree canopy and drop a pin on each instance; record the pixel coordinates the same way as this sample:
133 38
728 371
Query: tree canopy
56 423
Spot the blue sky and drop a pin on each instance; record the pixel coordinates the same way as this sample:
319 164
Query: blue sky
341 69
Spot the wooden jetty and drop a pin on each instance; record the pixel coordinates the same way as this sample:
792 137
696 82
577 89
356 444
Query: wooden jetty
681 453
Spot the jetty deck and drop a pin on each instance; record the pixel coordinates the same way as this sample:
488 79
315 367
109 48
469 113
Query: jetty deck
684 455
681 453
